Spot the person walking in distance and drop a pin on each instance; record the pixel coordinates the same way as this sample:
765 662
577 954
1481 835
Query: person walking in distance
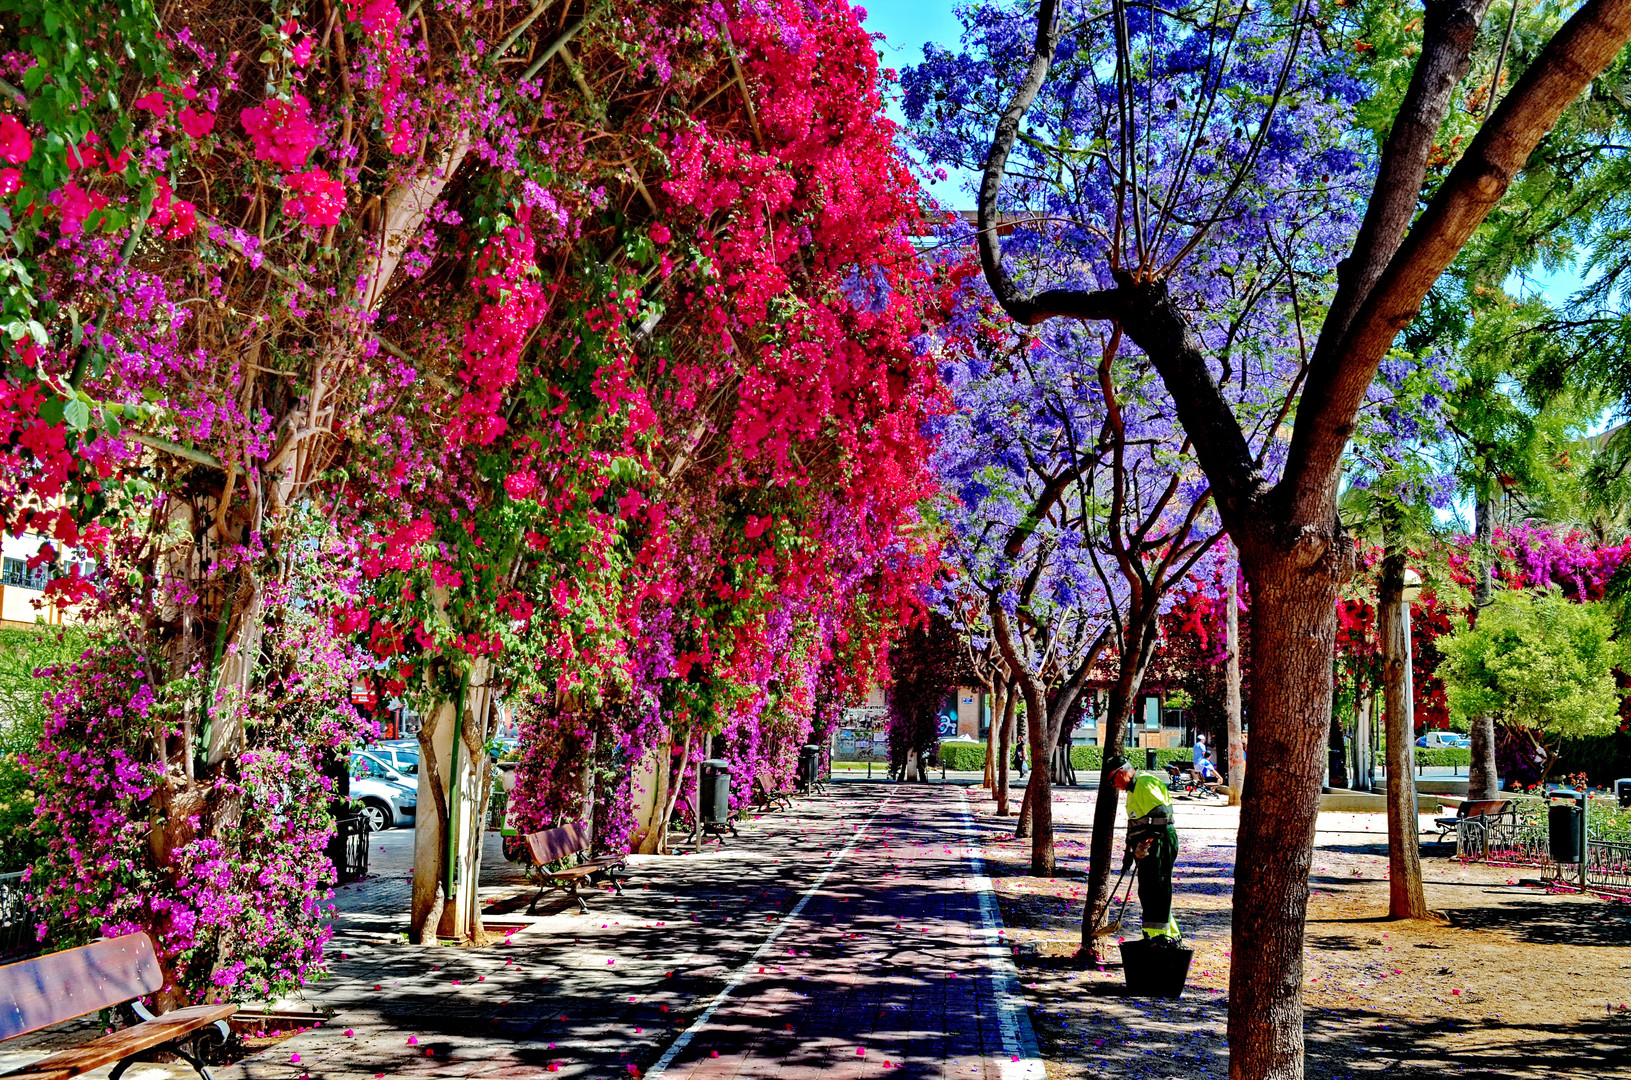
1152 840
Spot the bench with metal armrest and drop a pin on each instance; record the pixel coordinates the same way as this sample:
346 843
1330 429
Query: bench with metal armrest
1484 812
765 799
553 845
61 986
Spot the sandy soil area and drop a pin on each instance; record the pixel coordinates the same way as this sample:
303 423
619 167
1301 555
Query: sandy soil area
1514 983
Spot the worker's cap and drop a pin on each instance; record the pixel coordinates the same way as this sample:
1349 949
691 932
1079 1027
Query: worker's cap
1116 764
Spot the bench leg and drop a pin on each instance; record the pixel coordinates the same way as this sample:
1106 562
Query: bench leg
572 891
190 1048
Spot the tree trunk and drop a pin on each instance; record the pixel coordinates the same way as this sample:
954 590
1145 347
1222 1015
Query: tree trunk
448 829
1405 897
1293 624
994 707
1022 828
1483 779
1005 747
1112 736
648 838
1236 770
1041 790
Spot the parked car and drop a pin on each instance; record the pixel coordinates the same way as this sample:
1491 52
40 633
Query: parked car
1443 740
401 755
389 798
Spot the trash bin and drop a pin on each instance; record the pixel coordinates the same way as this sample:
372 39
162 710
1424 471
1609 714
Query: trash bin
1622 788
716 791
1563 821
348 847
1155 970
1149 757
809 765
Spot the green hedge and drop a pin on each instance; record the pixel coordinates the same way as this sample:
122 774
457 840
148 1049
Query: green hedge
970 757
963 756
1444 755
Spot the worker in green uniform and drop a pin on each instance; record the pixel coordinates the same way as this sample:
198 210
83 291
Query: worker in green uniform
1152 839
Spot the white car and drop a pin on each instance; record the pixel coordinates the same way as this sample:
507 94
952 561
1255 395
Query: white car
388 798
1443 740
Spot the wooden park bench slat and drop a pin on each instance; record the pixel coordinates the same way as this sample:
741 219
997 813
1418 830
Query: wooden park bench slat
60 986
1484 810
770 800
122 1043
552 845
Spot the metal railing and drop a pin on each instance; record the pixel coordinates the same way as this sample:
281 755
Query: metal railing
1526 843
19 936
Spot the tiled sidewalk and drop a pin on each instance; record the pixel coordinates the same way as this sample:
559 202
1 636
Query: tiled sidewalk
847 936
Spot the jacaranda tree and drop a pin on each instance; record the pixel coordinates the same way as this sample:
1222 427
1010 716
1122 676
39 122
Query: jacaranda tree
1281 515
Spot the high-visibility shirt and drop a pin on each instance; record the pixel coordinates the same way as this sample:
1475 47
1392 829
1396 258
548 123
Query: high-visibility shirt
1149 791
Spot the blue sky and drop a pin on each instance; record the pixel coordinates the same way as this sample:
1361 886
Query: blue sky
906 25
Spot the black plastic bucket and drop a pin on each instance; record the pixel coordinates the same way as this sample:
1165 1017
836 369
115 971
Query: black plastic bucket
1155 970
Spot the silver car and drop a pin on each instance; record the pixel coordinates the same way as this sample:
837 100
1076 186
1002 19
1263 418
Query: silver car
389 798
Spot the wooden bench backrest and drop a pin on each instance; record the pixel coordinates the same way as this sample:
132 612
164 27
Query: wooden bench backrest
59 986
552 844
1484 807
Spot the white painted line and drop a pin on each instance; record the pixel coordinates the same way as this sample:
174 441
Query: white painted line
1021 1060
742 972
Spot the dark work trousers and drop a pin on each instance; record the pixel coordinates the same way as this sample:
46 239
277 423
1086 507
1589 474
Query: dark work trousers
1155 885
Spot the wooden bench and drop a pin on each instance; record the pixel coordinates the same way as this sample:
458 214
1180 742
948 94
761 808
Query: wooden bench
767 800
1485 812
60 986
553 845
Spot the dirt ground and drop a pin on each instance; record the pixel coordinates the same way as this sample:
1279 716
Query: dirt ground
1515 983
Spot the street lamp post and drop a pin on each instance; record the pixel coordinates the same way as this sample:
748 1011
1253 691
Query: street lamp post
1407 596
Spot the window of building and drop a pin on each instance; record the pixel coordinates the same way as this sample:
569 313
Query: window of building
16 572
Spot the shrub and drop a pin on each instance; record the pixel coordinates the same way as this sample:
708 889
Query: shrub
1444 755
970 757
962 756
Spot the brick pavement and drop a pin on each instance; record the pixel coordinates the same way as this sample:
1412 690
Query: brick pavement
852 935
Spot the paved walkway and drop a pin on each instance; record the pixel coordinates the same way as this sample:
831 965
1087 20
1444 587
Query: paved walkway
854 935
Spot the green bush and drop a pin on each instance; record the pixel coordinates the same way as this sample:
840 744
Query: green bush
970 757
1444 755
1092 757
17 803
963 756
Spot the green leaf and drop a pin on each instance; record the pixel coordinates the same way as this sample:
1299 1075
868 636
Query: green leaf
77 414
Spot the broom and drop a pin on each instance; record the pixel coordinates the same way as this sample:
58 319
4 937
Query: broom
1114 926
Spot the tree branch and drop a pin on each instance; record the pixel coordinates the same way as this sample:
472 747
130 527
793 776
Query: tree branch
1576 55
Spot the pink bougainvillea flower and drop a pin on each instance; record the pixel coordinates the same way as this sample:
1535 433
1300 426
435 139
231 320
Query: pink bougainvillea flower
154 103
15 143
10 181
376 16
301 53
178 214
195 123
318 198
521 485
281 131
75 204
85 155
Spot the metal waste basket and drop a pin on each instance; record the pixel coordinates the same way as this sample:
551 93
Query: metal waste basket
1564 818
1622 788
716 791
1149 757
809 765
